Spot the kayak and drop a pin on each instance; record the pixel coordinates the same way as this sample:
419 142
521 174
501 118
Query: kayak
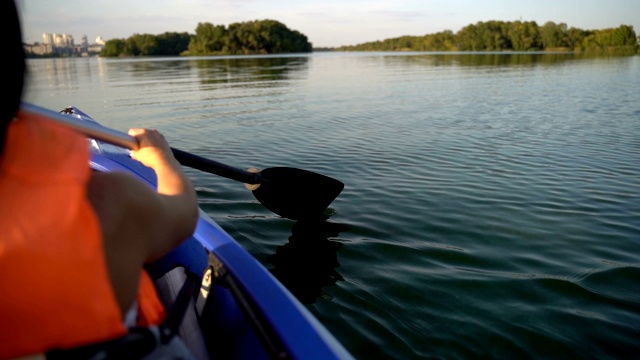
241 311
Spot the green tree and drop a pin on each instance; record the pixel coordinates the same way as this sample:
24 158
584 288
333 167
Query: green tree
112 48
525 36
575 37
172 43
494 34
624 35
620 40
209 39
554 35
441 41
131 47
144 44
468 39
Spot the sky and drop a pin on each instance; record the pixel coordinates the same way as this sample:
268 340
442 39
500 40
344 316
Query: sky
326 23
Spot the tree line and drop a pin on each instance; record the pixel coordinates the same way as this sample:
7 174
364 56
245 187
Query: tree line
513 36
242 38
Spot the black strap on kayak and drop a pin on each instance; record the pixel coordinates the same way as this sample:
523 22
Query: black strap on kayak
139 341
268 338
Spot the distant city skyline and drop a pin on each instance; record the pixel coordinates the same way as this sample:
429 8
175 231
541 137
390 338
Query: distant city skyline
48 37
327 23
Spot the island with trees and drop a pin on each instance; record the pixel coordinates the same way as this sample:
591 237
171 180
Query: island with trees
243 38
513 36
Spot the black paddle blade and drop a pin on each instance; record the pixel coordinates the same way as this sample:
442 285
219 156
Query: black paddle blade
296 194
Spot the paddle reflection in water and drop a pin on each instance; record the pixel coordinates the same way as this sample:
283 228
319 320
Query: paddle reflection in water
308 262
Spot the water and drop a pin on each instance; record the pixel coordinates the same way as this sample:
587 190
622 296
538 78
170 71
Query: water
492 201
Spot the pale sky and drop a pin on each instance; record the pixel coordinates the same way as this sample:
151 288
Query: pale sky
326 23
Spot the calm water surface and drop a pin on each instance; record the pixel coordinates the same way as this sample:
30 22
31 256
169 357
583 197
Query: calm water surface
492 201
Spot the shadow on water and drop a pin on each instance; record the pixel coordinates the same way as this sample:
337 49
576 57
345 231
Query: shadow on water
308 262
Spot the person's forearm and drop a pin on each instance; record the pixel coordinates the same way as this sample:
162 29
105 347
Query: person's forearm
178 194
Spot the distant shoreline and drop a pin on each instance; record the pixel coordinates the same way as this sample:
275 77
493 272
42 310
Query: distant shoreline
390 52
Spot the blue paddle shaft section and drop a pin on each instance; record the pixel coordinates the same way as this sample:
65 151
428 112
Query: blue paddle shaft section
303 336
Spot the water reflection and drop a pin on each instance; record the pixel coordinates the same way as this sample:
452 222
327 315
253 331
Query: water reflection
475 59
146 67
55 74
270 69
308 262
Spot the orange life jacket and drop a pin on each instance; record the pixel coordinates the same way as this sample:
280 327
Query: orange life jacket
55 290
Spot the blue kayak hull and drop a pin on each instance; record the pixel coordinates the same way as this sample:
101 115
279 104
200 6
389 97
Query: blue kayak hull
296 330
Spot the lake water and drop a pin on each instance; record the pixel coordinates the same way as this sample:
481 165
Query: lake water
492 201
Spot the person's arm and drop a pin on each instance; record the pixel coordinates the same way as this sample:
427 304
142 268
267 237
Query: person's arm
178 201
140 225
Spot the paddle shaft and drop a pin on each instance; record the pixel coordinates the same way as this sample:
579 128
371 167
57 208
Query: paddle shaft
216 168
118 138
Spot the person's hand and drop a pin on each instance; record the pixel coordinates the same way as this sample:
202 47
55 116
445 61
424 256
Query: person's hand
154 150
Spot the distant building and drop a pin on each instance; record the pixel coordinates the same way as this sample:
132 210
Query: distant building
64 45
84 43
58 44
63 41
38 49
97 46
47 39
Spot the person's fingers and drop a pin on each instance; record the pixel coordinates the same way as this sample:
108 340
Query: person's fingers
153 146
136 131
148 136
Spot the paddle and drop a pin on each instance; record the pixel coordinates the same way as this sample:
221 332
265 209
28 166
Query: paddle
289 192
